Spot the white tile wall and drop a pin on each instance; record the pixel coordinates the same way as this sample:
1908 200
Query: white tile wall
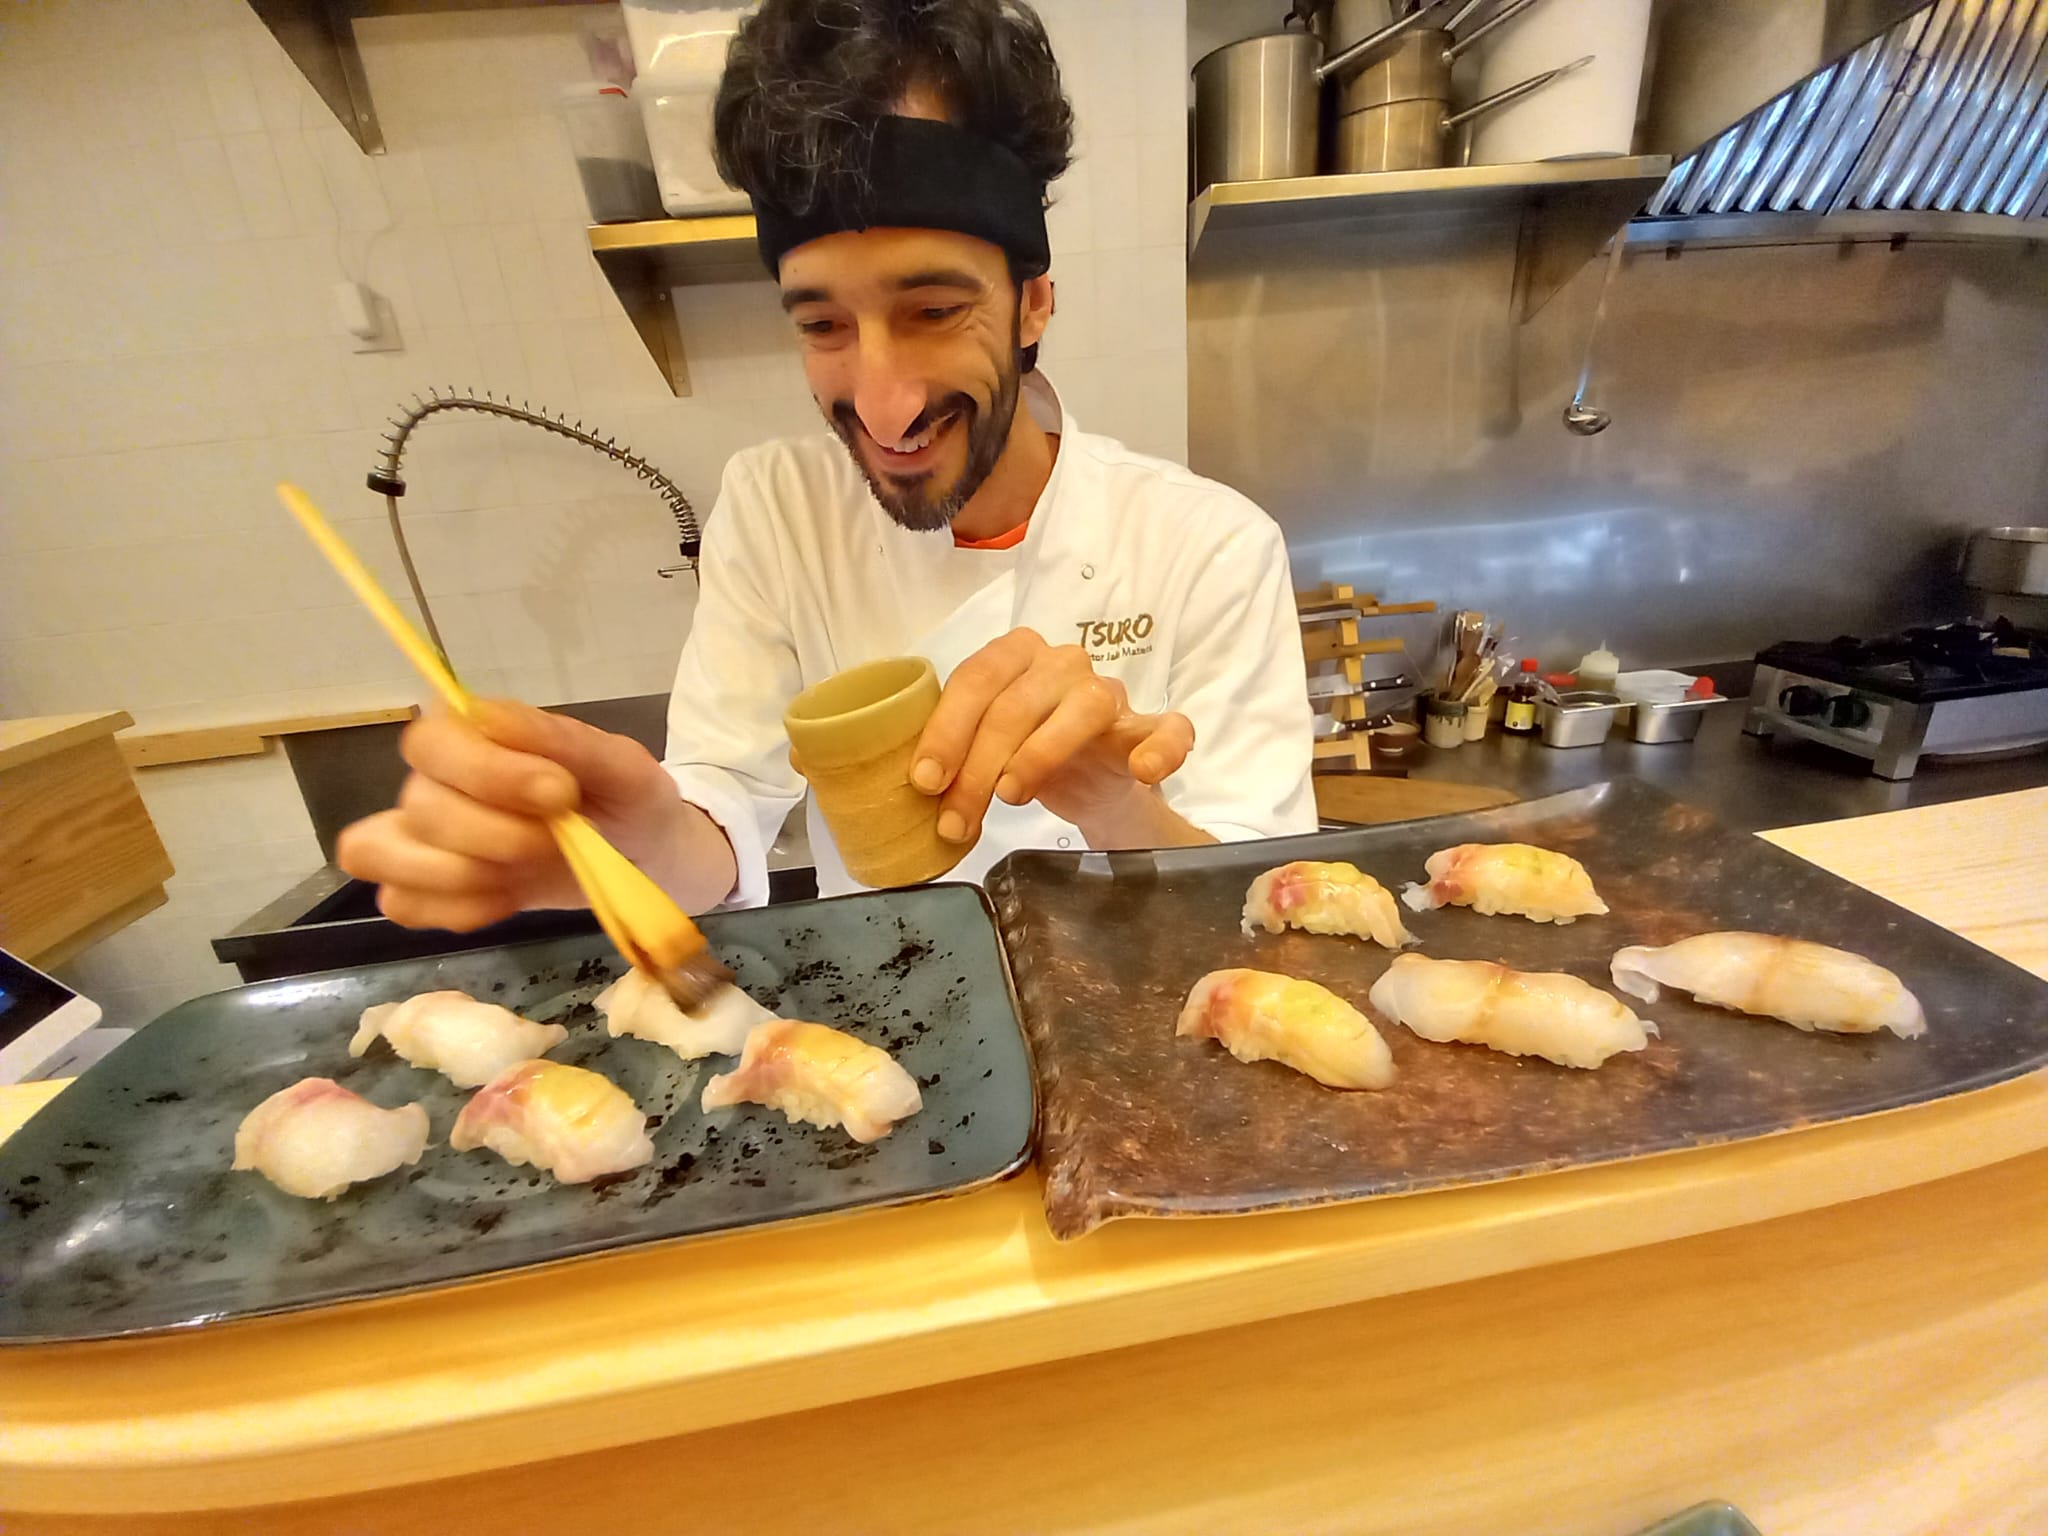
175 206
1118 342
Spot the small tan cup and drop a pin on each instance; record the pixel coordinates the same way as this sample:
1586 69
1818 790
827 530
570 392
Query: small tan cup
853 736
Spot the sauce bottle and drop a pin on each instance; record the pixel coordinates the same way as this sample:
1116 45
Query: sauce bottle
1523 695
1598 669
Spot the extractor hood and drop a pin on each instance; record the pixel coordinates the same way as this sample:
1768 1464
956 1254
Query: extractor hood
1943 114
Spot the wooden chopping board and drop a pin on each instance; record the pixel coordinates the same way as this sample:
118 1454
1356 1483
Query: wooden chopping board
1367 799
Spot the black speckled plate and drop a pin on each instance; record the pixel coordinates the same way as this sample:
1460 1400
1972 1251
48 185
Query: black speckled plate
120 1214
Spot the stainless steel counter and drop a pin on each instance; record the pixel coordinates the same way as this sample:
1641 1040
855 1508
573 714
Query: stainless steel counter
329 920
1747 781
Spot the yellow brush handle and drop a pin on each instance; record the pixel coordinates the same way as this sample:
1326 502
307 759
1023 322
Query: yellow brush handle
425 659
631 908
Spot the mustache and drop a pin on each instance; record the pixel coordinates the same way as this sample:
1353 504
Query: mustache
849 420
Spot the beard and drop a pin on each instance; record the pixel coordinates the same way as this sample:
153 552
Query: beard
913 502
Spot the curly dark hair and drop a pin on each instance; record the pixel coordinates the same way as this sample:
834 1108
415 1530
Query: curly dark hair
806 81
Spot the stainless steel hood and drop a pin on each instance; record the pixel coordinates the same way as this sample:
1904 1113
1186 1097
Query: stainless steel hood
1944 113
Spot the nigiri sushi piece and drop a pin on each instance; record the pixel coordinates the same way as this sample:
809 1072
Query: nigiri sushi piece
466 1041
1515 878
1809 986
1523 1013
315 1138
567 1120
636 1004
1325 898
819 1076
1259 1016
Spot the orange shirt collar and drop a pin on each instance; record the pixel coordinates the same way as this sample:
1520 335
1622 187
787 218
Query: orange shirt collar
1008 540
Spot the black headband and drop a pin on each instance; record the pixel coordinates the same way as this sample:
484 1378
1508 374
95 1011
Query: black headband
922 174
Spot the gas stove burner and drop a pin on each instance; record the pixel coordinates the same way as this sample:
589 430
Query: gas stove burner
1948 688
1932 662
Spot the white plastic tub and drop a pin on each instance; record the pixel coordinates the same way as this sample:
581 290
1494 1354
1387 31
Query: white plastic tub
611 153
679 49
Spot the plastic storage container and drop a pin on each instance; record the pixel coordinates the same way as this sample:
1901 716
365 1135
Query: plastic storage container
1590 112
679 49
679 132
611 153
1598 669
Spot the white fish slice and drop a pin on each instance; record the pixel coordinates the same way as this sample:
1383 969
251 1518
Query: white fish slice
820 1076
1522 1013
315 1138
1513 878
1806 985
636 1004
570 1121
466 1040
1262 1016
1325 898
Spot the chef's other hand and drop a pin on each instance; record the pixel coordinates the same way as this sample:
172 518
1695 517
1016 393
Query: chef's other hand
1021 720
468 844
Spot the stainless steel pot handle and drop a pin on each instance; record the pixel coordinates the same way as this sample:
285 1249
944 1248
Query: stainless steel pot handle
1505 14
1515 92
1365 45
1463 13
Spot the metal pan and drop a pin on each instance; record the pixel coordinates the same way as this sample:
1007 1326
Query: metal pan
1415 135
1258 101
2008 560
1419 64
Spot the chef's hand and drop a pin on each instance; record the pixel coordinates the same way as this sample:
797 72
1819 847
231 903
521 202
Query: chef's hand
1021 720
468 843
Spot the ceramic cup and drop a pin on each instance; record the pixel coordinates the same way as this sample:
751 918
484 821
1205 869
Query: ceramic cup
1443 720
852 737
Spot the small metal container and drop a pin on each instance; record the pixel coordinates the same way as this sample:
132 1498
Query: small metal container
1677 720
2008 560
1579 718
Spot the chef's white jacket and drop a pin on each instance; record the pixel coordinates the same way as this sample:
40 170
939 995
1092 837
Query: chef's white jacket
1177 586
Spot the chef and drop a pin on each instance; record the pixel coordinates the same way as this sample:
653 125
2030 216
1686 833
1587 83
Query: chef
1116 635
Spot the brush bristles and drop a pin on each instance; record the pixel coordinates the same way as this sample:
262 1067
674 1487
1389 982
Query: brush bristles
693 982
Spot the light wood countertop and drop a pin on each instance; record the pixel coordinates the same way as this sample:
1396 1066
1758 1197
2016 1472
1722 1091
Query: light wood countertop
23 741
1576 1352
79 856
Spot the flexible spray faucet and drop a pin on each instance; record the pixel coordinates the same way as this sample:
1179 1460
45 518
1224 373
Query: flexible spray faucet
389 481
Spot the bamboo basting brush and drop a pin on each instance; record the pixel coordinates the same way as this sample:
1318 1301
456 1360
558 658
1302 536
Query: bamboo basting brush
637 915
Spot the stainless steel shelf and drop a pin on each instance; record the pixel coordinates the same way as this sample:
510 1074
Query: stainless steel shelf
320 38
644 262
1558 212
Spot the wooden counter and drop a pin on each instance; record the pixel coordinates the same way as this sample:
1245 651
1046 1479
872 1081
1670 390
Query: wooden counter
79 856
1577 1353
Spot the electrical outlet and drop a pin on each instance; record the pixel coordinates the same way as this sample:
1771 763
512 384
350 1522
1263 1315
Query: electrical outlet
366 316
